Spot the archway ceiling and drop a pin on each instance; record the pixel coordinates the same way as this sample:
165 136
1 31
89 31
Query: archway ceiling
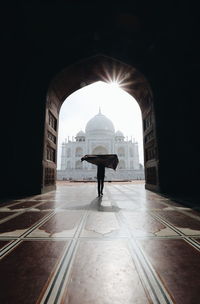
65 32
134 32
66 24
100 68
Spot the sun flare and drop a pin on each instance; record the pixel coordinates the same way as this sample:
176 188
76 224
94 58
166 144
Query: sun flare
114 85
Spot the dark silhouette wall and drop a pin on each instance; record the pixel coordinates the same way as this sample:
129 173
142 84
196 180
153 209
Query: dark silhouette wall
40 39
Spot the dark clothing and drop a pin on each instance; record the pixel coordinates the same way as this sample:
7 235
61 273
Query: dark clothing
100 178
106 160
100 172
102 161
100 186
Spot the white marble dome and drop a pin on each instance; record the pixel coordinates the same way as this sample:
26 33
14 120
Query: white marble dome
100 124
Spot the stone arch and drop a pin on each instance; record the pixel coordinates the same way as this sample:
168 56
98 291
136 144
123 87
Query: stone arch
78 164
103 68
100 150
69 152
121 164
121 151
79 152
131 152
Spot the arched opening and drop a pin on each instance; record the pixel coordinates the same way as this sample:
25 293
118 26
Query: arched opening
78 164
79 152
131 164
102 68
131 152
68 152
68 165
121 152
122 164
104 111
100 150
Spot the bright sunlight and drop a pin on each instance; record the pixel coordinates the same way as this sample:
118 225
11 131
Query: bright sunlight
119 106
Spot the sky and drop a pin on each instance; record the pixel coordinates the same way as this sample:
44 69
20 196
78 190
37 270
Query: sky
116 104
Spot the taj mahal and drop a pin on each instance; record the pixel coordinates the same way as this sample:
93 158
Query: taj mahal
100 137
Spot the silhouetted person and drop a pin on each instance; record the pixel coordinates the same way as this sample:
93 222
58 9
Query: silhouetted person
100 178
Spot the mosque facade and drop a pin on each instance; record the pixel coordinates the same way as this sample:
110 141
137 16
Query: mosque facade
100 138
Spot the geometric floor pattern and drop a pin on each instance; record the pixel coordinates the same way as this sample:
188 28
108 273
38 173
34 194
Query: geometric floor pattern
68 246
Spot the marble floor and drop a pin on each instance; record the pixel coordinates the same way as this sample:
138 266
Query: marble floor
68 246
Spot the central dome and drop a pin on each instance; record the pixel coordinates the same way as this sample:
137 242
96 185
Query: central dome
100 123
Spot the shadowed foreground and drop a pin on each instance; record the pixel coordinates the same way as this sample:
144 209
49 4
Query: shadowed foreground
129 246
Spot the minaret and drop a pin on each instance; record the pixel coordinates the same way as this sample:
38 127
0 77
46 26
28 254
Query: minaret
63 156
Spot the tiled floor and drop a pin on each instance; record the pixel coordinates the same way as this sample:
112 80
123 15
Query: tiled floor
68 246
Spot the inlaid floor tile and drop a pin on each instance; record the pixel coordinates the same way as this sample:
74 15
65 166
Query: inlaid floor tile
3 243
23 205
177 265
100 240
197 239
62 224
127 204
101 224
104 272
143 224
5 214
185 223
48 205
18 225
25 271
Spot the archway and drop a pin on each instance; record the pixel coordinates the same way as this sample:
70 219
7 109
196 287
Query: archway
100 68
100 150
79 152
78 164
122 164
121 151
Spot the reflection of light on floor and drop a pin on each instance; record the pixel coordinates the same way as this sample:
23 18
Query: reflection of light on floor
110 254
106 204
